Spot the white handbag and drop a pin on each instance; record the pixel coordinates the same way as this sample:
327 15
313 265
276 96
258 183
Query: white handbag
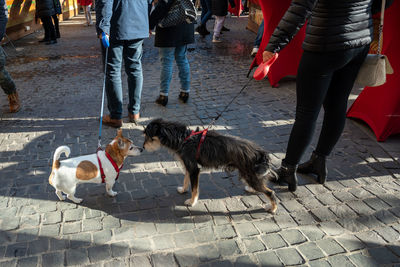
375 67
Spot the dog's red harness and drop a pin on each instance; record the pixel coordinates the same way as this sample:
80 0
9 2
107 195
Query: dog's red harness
103 176
203 136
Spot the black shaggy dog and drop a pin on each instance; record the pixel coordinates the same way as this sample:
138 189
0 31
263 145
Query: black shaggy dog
217 151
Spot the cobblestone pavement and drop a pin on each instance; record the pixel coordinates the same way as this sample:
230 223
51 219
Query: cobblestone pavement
352 220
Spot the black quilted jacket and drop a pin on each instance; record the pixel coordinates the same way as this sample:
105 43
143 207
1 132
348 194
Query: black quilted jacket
332 24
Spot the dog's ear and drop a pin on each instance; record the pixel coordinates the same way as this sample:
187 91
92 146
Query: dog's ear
151 129
121 143
119 132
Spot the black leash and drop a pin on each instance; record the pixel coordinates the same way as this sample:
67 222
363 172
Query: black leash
233 99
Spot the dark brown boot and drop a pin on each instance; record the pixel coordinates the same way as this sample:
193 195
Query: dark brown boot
116 123
13 100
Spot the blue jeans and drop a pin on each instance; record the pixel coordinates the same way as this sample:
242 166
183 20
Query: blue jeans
259 36
131 52
167 55
6 82
205 11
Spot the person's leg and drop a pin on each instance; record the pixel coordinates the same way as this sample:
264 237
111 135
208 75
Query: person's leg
56 25
48 23
113 79
219 23
207 14
8 85
184 67
259 36
88 15
133 51
335 104
167 60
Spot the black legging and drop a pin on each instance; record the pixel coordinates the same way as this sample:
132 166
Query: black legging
323 79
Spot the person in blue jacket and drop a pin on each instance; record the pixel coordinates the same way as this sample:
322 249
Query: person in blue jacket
126 24
6 82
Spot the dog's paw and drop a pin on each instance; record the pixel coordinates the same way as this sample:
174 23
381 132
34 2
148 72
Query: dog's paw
190 203
249 189
180 190
112 193
77 200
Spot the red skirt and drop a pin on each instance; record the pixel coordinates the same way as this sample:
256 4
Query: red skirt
85 2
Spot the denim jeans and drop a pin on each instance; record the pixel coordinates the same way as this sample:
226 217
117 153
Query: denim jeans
323 80
205 11
6 82
167 55
259 36
130 51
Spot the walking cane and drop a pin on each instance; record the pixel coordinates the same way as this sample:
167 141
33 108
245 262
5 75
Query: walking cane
106 44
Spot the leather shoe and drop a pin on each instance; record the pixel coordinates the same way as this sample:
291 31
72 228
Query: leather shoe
133 117
162 100
116 123
51 42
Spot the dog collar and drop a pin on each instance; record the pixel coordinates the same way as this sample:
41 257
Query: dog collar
103 176
203 136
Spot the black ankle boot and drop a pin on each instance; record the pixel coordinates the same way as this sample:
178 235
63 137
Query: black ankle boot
184 96
287 174
162 100
315 165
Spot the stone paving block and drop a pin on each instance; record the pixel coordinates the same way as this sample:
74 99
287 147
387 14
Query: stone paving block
73 215
76 256
253 245
312 232
228 247
123 233
371 239
340 260
139 245
268 258
71 228
267 226
386 217
383 255
285 221
91 224
80 240
225 231
116 263
208 252
38 246
142 261
311 251
359 259
319 263
186 257
163 242
352 225
16 250
99 253
102 237
28 262
243 261
27 234
293 236
120 249
161 260
332 228
53 259
290 256
205 234
184 239
350 242
273 241
330 246
303 218
246 229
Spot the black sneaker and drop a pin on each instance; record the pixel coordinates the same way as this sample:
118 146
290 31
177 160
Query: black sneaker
162 100
183 96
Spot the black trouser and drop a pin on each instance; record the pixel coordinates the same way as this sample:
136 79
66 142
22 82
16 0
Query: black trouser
323 79
49 31
56 25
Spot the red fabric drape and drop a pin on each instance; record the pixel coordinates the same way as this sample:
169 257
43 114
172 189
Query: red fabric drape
379 106
237 10
289 57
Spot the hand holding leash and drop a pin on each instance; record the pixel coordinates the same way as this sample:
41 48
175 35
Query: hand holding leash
105 40
262 70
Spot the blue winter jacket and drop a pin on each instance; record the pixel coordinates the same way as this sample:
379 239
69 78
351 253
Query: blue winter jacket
3 18
123 19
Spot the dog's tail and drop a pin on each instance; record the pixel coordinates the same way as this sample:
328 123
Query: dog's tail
56 159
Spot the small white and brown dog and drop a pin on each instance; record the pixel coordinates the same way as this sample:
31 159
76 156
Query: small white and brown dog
101 167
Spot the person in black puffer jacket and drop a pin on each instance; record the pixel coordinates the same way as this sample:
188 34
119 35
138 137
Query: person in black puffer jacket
337 41
219 8
45 9
172 43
